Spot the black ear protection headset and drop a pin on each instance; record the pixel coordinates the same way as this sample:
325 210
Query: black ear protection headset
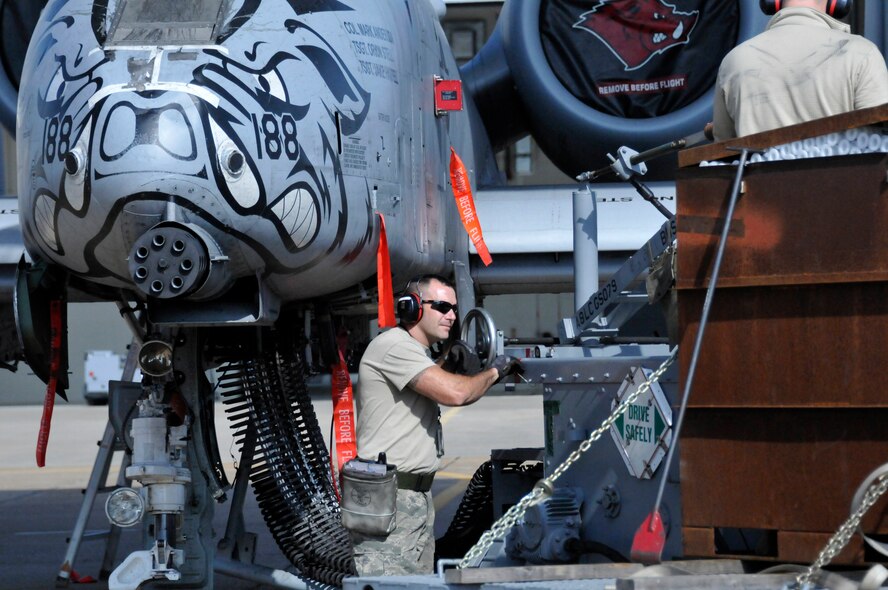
835 8
409 305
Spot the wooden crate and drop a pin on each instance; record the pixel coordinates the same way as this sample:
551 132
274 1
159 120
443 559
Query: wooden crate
788 411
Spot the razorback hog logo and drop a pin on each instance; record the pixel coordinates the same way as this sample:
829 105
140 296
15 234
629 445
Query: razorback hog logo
637 30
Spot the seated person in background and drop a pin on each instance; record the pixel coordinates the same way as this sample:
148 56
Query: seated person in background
806 65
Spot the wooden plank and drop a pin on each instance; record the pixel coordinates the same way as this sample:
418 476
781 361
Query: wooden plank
780 470
793 347
586 571
791 547
797 222
744 581
698 541
540 573
766 139
707 567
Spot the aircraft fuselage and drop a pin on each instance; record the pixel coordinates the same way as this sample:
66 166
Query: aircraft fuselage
173 149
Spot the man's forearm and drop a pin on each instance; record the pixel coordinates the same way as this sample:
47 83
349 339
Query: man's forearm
450 389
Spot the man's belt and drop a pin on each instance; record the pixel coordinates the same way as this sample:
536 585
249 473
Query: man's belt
417 482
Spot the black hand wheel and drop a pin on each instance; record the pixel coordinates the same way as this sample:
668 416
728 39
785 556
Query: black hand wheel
484 341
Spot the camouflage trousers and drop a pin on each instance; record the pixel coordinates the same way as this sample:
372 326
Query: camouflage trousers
407 550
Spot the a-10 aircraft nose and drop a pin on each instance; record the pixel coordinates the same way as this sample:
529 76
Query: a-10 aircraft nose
260 151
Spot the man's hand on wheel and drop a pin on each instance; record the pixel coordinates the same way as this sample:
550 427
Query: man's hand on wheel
507 365
461 359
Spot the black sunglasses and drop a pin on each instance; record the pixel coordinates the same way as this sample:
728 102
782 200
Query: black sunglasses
443 307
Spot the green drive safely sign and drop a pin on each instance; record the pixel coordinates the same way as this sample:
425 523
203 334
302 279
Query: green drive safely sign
643 423
643 432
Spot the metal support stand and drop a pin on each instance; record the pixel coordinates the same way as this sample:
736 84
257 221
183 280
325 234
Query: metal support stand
237 544
97 479
99 474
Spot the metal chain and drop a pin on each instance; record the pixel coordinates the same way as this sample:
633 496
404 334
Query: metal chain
841 537
544 487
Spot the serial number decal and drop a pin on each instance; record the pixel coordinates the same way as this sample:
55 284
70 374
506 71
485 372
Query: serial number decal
597 302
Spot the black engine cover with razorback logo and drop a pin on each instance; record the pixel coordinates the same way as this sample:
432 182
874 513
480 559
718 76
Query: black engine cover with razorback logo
641 58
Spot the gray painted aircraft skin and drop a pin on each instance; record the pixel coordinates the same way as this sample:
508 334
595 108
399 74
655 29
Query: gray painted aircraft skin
268 138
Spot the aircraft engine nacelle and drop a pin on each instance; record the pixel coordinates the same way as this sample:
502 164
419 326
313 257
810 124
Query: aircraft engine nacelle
587 77
175 150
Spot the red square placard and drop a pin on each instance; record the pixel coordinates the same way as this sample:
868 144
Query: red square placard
448 96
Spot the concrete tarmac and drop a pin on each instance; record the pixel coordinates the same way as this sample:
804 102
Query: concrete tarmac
39 506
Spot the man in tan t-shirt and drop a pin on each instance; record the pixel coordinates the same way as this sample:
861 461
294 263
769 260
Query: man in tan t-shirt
805 65
399 389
